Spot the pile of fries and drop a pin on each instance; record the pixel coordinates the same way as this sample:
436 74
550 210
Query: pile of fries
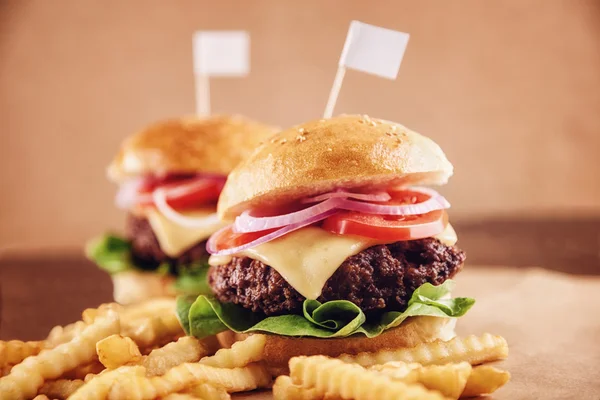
430 371
141 352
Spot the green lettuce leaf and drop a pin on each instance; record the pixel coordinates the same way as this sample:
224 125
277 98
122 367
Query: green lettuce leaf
111 253
204 316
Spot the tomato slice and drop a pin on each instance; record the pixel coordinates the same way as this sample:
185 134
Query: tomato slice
226 238
387 227
183 194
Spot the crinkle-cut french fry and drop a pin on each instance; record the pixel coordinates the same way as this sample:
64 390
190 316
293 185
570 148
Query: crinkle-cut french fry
240 354
60 388
98 387
186 375
15 351
351 381
206 391
27 377
472 349
116 350
485 379
89 315
152 330
285 389
186 349
63 334
182 396
448 379
397 369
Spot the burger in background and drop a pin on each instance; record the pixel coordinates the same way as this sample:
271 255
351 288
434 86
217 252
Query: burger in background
334 249
170 176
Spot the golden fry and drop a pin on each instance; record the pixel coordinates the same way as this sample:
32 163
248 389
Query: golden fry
98 387
472 349
285 389
206 391
351 381
186 375
181 396
117 350
64 334
186 349
448 379
485 379
14 351
152 330
60 388
27 377
240 354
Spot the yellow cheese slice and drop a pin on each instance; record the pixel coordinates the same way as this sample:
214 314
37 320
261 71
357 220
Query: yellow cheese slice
448 236
307 258
174 239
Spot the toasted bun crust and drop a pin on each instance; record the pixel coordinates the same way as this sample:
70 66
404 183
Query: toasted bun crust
348 151
188 145
132 287
279 349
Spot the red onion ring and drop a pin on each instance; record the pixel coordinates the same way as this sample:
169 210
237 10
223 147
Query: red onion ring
211 246
379 196
159 196
127 194
431 204
246 223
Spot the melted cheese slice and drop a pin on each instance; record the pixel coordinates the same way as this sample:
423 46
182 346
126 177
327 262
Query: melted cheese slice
308 257
448 236
174 239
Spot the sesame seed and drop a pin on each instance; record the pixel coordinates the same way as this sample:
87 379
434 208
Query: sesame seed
301 130
329 149
300 138
282 141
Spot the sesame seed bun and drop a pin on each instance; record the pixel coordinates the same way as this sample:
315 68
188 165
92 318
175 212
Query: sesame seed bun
188 145
279 349
349 151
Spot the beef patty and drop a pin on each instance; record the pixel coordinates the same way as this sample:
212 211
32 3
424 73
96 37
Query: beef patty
380 278
147 253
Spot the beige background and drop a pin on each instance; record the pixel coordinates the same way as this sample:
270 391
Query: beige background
510 89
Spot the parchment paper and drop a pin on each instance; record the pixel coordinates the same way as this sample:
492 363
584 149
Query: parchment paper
551 322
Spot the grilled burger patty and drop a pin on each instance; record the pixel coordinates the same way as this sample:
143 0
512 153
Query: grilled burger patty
380 278
147 253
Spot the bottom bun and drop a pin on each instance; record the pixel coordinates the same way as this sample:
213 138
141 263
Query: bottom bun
135 286
413 331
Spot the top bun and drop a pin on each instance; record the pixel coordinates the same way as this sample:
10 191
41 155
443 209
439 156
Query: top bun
188 145
349 151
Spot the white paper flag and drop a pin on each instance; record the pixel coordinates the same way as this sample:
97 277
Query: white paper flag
374 50
221 53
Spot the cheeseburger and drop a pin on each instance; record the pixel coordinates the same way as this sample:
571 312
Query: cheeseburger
170 176
336 246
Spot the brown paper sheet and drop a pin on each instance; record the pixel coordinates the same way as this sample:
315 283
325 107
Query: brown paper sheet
551 322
